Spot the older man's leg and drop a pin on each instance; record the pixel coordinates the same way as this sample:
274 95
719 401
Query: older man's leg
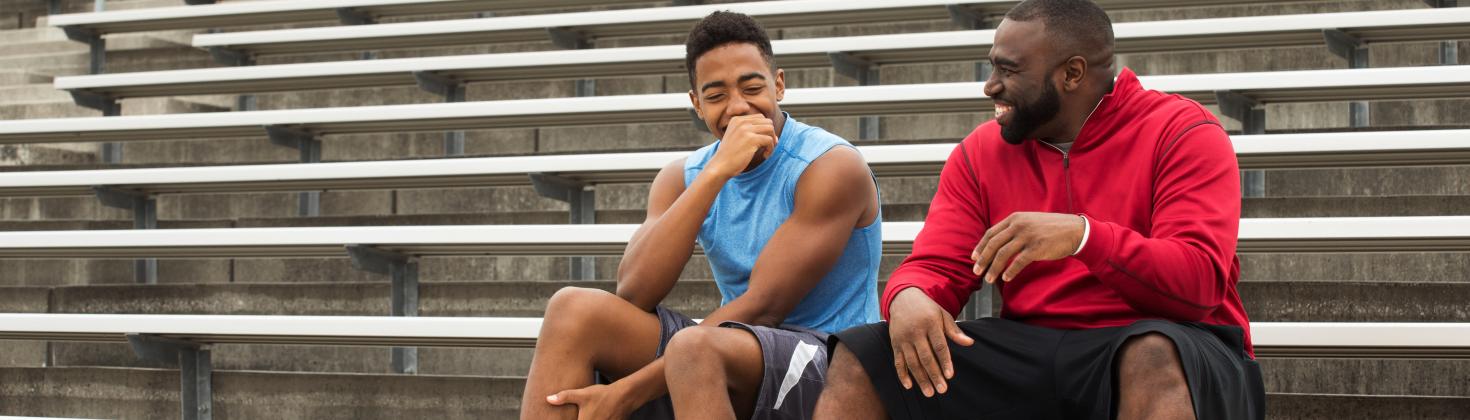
849 393
1151 382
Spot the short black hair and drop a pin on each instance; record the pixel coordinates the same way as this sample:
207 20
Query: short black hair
720 28
1082 26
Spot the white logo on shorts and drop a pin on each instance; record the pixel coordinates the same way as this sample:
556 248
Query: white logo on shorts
800 358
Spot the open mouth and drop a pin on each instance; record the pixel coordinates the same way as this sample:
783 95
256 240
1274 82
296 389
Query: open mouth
1001 110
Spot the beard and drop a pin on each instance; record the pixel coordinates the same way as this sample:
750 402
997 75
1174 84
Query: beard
1026 118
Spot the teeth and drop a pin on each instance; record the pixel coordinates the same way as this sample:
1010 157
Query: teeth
1001 110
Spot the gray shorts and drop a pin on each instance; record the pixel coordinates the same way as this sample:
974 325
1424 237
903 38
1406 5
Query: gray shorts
795 361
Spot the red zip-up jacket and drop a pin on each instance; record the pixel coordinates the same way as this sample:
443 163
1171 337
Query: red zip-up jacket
1155 176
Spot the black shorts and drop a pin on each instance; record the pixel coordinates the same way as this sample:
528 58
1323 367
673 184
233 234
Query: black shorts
795 368
1019 371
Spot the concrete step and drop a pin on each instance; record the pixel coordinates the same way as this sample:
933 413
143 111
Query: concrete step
1325 407
32 94
13 78
154 394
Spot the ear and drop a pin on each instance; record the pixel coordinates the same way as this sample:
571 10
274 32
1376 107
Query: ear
694 100
780 84
1074 72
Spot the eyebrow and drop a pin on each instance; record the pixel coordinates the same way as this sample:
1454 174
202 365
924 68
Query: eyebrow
743 78
1001 61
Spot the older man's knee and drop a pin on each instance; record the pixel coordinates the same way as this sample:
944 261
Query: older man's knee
1150 361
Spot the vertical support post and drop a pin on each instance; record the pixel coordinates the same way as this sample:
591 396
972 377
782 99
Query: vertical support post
1355 51
111 151
352 16
305 141
980 304
404 293
866 74
452 91
145 216
1252 117
582 198
1449 51
196 370
569 39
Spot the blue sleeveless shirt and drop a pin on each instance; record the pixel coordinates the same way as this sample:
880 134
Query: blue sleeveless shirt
752 205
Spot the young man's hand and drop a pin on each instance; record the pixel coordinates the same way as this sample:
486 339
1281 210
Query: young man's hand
596 402
1023 238
919 331
744 137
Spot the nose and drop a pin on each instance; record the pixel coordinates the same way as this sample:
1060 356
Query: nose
992 85
738 106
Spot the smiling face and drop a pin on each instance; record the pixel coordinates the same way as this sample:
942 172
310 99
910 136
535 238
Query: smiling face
735 79
1024 82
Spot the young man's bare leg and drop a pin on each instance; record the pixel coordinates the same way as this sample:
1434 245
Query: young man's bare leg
586 329
849 393
1151 383
713 373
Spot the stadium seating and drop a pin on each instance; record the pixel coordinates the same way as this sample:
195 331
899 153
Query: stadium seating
1136 37
1353 260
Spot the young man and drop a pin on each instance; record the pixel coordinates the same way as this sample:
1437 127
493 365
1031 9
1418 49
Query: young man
787 215
1107 215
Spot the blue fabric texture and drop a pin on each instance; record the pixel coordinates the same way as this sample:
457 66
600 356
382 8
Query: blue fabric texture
750 208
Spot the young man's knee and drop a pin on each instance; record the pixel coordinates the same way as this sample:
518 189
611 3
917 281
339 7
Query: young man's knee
572 307
692 347
1150 360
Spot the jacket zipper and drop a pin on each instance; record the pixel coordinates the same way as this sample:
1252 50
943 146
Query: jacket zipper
1066 173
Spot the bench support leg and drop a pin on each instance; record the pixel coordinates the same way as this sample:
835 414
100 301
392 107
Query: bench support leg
1252 117
582 198
311 152
1355 51
452 91
866 74
145 216
195 370
404 271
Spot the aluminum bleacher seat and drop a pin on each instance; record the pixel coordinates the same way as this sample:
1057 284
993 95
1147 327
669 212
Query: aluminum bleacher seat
1256 88
571 29
1352 149
1271 339
1137 37
275 12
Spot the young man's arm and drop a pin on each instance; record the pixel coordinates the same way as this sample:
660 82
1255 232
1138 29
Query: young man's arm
832 197
661 246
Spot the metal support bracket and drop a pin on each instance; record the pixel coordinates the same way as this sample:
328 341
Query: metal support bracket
568 39
231 57
1244 109
1252 117
107 104
195 370
309 202
453 91
351 16
96 44
1355 51
403 269
582 197
867 74
145 216
965 17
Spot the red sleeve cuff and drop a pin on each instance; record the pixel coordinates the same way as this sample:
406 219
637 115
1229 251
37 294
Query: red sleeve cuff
1099 246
